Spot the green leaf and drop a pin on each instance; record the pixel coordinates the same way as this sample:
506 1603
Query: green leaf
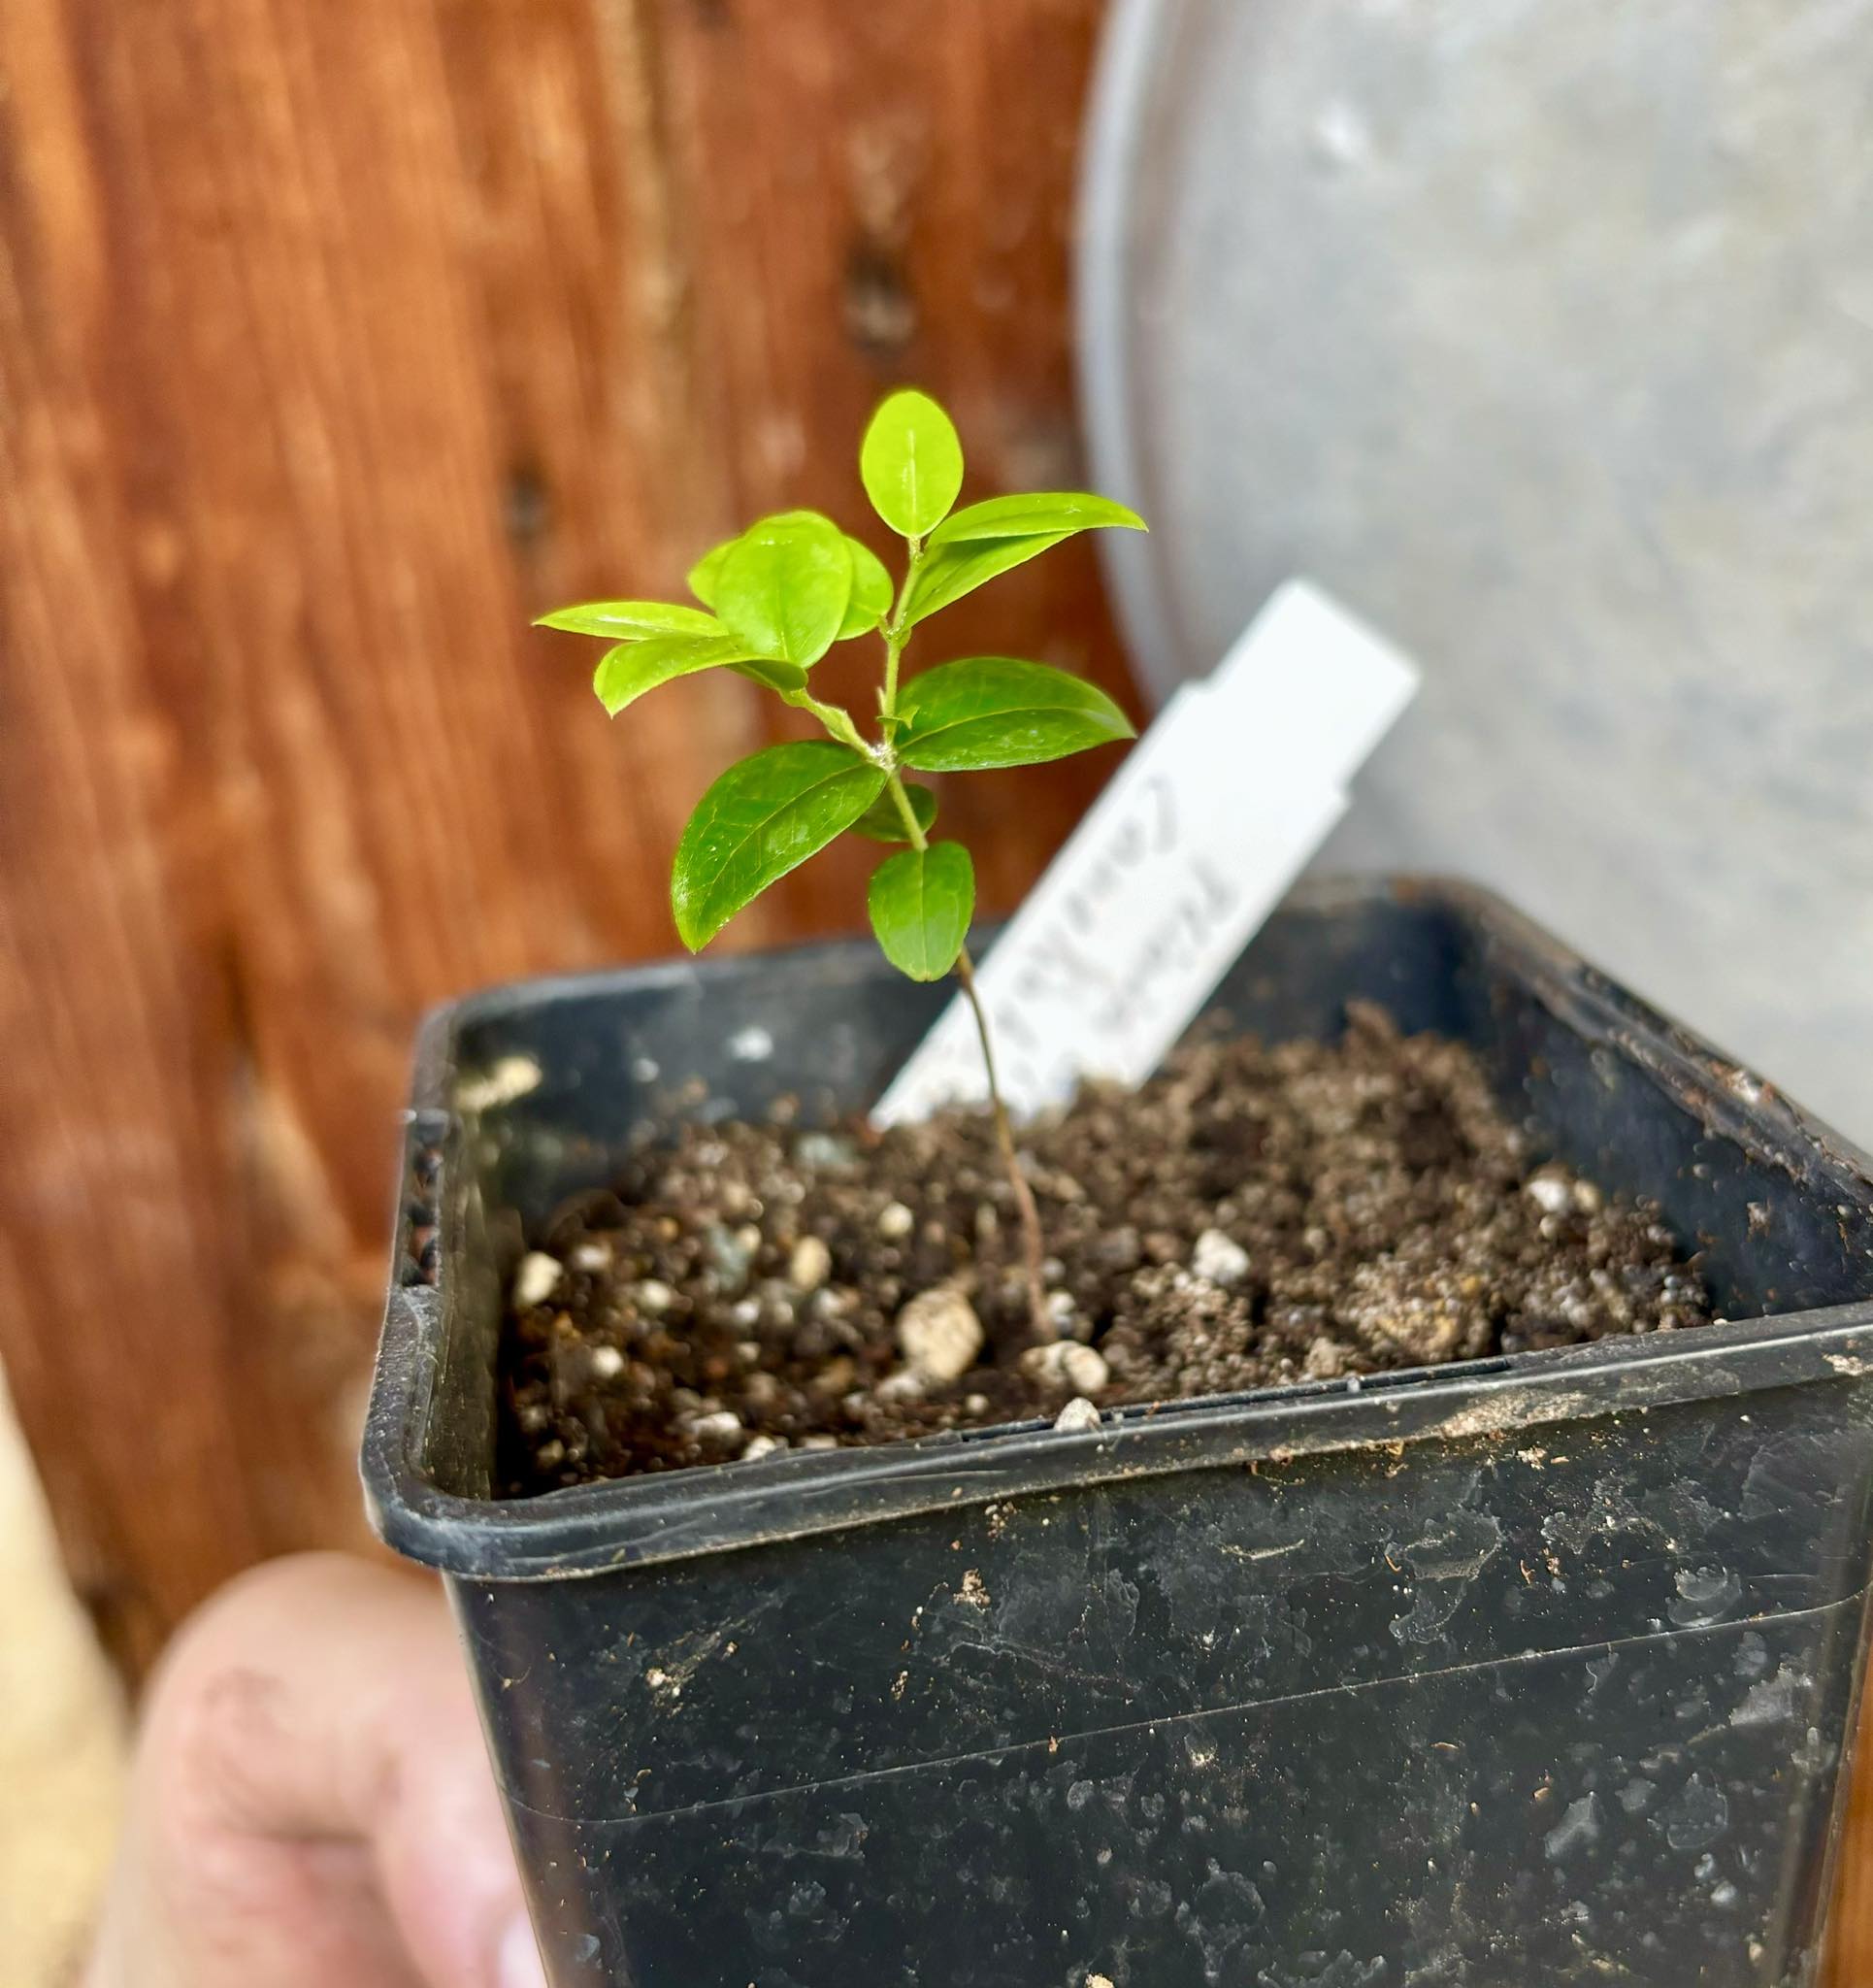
764 817
783 585
625 672
994 710
872 591
921 902
1034 513
769 673
883 824
911 462
985 538
703 578
632 620
952 571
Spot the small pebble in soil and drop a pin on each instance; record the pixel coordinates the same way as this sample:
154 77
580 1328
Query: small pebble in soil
1250 1217
730 1253
1218 1259
809 1265
939 1334
719 1427
1078 1413
826 1152
1551 1194
536 1280
1066 1368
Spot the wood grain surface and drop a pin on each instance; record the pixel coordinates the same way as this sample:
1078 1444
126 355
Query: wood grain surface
336 340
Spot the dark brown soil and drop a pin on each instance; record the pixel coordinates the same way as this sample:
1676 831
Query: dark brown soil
1249 1217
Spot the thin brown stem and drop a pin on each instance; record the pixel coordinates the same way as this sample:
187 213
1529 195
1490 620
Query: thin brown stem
1034 1250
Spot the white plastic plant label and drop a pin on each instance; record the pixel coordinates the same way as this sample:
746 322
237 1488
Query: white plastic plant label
1214 813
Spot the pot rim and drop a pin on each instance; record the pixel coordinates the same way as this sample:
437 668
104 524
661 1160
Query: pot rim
592 1529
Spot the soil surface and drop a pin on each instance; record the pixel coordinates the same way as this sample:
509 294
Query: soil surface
1249 1217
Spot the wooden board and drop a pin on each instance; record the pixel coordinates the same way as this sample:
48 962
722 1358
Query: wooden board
335 341
338 341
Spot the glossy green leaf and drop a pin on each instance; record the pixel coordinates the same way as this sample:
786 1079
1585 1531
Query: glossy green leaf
1034 513
632 620
975 544
703 576
911 462
872 591
625 672
771 674
952 571
883 822
995 710
921 902
783 585
764 817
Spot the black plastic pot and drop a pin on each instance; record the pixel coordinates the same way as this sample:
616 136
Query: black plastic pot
1534 1669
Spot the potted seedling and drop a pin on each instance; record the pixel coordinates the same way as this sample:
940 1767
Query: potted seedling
774 601
1388 1508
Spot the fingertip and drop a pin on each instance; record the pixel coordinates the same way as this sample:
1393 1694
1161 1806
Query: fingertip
517 1963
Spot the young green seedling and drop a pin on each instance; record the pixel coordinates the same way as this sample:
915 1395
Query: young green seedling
775 600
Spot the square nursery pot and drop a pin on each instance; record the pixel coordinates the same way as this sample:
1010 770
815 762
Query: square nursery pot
1540 1668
